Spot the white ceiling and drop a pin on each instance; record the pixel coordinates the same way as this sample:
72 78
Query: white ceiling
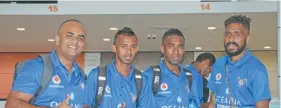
194 26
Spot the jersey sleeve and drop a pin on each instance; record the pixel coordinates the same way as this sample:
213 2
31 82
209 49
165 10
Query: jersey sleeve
91 88
211 82
146 99
260 85
28 78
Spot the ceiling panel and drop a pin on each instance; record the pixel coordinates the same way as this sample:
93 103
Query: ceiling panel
40 28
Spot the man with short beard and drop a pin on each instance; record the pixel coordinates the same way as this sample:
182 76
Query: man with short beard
238 79
173 89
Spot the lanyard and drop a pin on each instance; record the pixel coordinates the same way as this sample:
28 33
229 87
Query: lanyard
228 86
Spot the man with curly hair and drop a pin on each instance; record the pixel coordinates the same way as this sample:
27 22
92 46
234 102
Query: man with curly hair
238 80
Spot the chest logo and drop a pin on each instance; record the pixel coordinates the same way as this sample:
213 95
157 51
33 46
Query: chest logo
218 76
134 98
121 105
107 89
164 86
241 82
82 85
56 79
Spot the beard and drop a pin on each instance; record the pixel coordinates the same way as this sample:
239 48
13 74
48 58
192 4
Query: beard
237 52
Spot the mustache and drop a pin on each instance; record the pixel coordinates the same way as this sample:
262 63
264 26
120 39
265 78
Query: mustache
233 43
128 55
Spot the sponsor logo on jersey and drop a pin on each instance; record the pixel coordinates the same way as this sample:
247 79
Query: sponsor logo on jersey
107 89
56 79
218 76
164 86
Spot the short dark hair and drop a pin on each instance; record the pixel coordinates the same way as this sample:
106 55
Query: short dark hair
206 56
242 19
125 31
172 32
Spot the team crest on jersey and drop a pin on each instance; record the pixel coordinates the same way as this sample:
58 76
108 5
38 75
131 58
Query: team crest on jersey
134 98
82 85
241 82
56 79
218 76
121 105
107 89
164 86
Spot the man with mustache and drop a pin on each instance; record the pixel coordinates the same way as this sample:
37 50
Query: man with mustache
173 89
238 79
120 86
65 86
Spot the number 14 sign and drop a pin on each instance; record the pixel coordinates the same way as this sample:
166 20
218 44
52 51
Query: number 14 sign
205 6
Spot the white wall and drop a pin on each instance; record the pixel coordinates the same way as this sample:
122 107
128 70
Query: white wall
92 60
2 104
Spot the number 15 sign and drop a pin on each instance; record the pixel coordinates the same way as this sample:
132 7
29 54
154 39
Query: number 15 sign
53 8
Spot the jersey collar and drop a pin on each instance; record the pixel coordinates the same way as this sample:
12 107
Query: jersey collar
192 69
115 73
57 63
242 60
168 71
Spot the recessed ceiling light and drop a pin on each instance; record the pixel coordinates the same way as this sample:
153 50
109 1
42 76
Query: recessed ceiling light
106 39
267 47
20 29
198 48
113 28
51 40
211 28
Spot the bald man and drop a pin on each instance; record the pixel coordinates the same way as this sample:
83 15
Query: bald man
65 84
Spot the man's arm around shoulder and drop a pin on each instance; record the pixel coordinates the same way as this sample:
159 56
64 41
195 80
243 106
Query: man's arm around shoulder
19 100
